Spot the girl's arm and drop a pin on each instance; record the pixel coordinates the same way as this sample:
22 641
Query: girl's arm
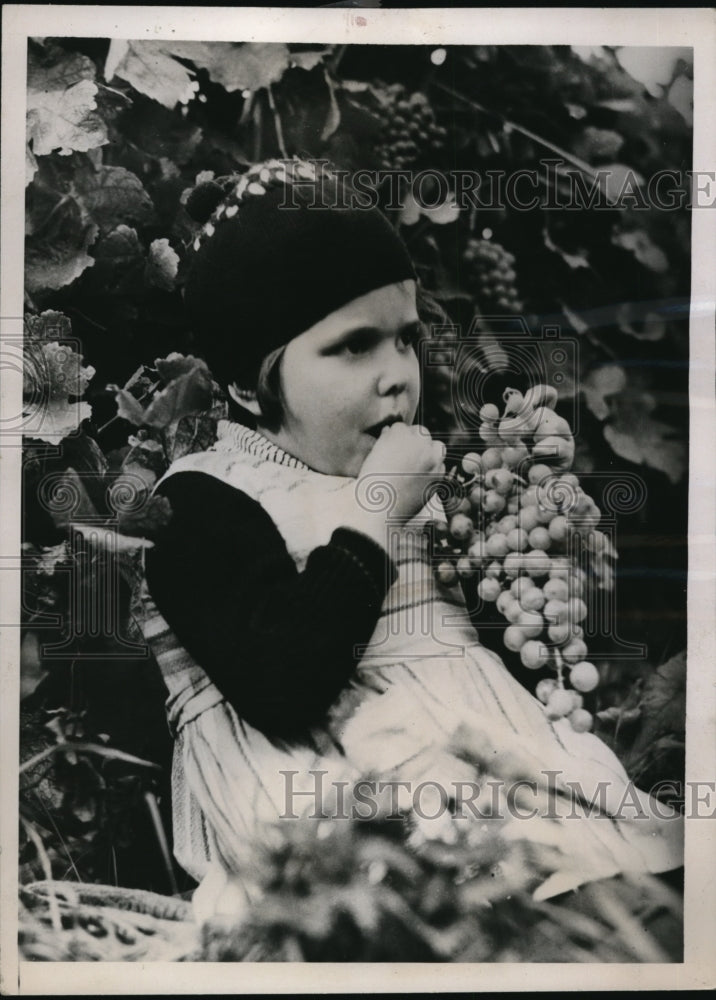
279 644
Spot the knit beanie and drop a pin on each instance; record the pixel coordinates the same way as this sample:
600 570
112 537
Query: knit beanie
283 246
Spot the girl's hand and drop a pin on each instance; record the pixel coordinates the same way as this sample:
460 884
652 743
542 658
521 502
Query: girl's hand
406 458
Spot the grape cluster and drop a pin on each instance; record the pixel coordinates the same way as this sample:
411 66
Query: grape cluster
519 522
491 275
408 128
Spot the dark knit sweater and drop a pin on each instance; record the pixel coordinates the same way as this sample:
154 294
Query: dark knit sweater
278 643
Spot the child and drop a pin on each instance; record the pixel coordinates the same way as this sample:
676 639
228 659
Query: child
293 632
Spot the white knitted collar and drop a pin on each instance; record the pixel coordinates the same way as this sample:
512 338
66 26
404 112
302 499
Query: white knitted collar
236 437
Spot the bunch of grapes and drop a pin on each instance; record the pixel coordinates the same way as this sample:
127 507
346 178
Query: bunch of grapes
408 128
491 275
520 522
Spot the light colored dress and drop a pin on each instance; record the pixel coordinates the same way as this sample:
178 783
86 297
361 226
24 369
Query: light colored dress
428 704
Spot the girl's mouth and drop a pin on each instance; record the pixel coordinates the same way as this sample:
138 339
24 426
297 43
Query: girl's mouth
375 430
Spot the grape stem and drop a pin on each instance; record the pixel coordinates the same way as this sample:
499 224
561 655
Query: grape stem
560 668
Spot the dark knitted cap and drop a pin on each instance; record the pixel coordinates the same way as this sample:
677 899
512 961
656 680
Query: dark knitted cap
272 262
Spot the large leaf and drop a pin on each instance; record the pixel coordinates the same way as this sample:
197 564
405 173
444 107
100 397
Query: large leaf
151 70
250 66
61 106
635 435
112 196
52 373
57 255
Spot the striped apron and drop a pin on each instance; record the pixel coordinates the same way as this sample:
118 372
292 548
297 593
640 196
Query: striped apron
429 706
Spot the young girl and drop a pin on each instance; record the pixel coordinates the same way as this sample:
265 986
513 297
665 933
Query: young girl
295 617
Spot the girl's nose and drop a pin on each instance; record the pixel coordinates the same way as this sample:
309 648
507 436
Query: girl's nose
395 373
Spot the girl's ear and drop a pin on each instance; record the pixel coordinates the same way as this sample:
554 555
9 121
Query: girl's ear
245 398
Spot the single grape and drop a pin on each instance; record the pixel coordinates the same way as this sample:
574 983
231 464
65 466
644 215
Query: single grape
520 586
558 528
532 600
544 514
560 569
527 518
507 523
531 622
556 590
574 650
584 676
512 612
517 539
504 600
538 473
497 546
529 497
493 571
539 538
465 568
514 638
545 687
461 527
476 496
488 589
478 552
513 504
512 564
536 563
489 434
581 720
489 412
491 459
560 704
472 464
499 480
446 574
577 610
514 454
559 633
534 654
556 611
493 502
464 506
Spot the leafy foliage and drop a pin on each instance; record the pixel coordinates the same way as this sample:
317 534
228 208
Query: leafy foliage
118 133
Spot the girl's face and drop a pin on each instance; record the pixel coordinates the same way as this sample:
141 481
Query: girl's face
348 374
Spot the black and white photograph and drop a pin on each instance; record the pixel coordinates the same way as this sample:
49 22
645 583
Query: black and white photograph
358 499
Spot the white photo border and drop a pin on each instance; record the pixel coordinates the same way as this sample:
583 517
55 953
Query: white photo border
694 27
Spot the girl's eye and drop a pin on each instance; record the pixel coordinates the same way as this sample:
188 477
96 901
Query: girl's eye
360 344
410 336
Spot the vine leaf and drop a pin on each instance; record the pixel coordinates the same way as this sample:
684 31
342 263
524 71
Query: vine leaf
573 260
644 249
308 60
150 69
162 265
30 165
61 107
662 704
650 326
248 66
58 255
333 119
189 392
636 436
52 373
32 672
112 196
607 380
